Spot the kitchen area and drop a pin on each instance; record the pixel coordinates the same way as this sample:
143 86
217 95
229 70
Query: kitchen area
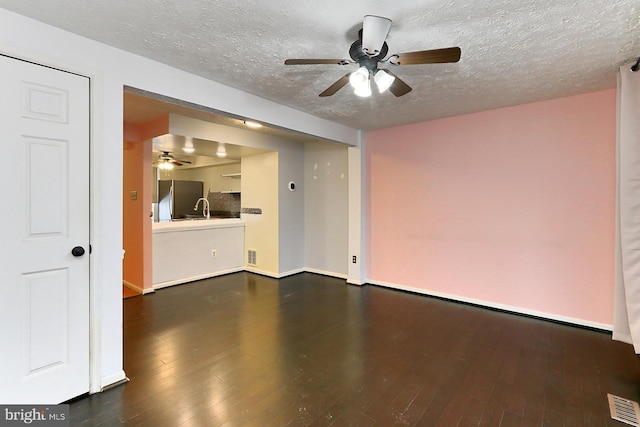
263 200
197 230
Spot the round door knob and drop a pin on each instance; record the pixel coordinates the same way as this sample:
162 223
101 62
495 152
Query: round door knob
77 251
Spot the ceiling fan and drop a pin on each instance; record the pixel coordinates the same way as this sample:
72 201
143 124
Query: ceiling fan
167 161
369 52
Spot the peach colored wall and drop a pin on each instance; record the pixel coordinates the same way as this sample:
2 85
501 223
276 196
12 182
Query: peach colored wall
511 207
133 210
136 222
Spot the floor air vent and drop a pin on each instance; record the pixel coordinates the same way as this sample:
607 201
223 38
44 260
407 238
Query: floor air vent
251 257
626 411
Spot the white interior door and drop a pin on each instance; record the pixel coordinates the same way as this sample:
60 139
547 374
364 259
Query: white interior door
44 214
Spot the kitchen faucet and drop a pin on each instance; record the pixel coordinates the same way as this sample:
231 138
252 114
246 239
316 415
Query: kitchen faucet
205 207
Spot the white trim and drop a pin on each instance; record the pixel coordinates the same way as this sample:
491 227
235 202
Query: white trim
326 273
261 272
194 278
503 307
96 82
291 272
111 380
133 287
275 276
355 282
137 288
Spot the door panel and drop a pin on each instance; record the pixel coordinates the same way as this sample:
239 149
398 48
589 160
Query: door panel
44 289
46 183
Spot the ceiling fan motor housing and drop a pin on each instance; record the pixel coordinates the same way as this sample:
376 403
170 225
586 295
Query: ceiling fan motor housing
357 53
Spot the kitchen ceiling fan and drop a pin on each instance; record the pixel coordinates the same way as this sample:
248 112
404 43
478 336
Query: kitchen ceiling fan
369 52
167 161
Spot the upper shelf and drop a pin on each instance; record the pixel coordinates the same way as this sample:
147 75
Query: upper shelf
232 175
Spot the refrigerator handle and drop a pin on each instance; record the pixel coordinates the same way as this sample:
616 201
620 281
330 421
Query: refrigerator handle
171 202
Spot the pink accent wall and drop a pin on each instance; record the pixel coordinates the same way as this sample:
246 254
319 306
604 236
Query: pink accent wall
513 206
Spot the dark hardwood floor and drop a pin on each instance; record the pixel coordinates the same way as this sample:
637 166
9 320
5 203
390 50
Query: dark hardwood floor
246 350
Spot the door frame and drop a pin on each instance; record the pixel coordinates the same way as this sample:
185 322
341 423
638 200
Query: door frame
95 125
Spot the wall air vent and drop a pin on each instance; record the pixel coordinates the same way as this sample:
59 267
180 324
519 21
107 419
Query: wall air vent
626 411
251 257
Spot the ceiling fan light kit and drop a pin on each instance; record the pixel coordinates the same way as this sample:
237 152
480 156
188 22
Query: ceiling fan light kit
369 51
166 161
165 165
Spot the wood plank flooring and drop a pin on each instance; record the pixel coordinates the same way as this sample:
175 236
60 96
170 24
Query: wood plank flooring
308 350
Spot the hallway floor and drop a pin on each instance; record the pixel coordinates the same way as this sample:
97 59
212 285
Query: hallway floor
308 350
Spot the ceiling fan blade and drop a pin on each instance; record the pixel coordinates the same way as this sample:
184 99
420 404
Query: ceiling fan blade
433 56
176 162
181 161
398 87
314 61
336 86
374 32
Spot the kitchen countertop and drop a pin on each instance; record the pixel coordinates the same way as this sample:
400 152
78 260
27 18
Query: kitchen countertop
196 224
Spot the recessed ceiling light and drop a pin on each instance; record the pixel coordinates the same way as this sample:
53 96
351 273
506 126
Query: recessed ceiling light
188 146
252 124
222 151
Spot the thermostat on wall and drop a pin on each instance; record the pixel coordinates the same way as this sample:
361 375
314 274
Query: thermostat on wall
292 186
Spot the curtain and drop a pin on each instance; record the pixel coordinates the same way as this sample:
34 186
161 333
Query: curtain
626 326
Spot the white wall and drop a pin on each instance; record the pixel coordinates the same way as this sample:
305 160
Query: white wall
110 70
291 208
326 177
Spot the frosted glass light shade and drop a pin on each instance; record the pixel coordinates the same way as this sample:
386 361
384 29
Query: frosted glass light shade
374 31
359 78
383 80
364 90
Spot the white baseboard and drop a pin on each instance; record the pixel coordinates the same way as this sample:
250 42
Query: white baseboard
326 273
291 273
113 380
503 307
136 288
261 272
194 278
296 271
131 286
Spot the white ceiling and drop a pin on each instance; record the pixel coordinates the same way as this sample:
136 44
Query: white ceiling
513 51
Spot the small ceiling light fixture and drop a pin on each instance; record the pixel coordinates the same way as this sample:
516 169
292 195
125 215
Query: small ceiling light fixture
252 124
188 146
222 151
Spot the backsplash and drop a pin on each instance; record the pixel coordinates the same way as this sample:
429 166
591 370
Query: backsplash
224 204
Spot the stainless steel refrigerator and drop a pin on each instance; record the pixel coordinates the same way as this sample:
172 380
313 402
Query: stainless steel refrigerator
176 199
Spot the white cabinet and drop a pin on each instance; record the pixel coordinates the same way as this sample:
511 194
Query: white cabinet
236 175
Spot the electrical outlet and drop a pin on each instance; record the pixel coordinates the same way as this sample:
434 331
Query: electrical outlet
353 259
213 253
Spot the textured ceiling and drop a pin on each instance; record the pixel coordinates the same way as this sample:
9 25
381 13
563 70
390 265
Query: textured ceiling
513 51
